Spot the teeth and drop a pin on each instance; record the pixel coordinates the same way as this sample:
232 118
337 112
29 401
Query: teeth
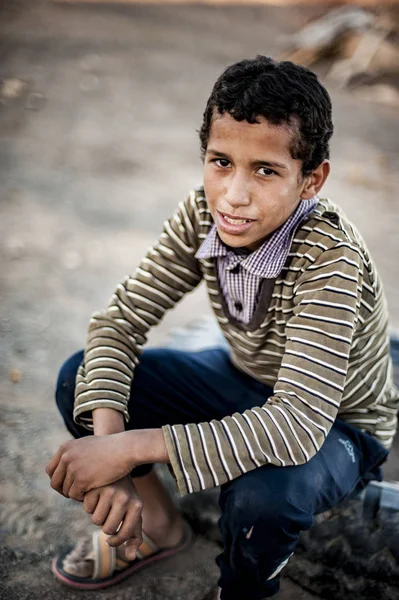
236 221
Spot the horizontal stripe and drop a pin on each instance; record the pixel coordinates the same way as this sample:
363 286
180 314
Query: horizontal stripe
312 375
315 361
332 336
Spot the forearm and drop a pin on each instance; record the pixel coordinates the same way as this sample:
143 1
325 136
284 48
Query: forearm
146 446
107 421
94 461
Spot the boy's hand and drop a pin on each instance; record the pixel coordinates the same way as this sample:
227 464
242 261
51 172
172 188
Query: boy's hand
117 505
90 462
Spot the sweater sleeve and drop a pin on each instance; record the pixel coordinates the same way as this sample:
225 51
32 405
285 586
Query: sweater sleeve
293 423
116 336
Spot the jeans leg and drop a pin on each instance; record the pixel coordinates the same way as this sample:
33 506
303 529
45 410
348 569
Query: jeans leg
260 526
264 511
65 397
65 394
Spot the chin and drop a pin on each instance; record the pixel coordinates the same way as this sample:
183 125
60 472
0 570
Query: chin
235 241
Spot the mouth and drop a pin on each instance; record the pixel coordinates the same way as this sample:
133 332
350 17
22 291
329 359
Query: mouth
233 224
235 219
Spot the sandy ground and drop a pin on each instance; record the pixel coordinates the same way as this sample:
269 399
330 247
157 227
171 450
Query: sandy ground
98 143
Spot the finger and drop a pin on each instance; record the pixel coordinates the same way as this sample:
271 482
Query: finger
90 501
132 545
76 491
53 464
115 517
66 486
58 477
130 528
101 511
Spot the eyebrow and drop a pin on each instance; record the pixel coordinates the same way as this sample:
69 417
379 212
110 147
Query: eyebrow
267 163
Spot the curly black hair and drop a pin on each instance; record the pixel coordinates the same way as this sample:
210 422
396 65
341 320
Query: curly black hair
281 92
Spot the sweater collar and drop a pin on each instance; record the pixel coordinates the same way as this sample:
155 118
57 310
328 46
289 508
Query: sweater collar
268 260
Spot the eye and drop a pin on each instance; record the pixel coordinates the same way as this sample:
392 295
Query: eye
266 172
222 162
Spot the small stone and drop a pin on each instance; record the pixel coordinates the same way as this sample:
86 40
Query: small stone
15 375
12 88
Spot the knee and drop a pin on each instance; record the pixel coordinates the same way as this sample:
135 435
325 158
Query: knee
154 358
157 359
65 387
245 507
154 367
259 503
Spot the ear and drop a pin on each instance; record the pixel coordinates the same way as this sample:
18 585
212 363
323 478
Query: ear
313 183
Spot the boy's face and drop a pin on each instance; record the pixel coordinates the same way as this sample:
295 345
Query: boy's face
252 184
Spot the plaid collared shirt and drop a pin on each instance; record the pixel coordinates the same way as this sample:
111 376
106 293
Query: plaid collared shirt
241 272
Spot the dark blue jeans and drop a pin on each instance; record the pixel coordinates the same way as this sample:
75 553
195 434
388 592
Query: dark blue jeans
263 511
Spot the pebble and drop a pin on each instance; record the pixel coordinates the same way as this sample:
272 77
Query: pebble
12 88
15 375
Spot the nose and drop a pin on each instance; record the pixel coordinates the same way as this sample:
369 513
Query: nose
237 191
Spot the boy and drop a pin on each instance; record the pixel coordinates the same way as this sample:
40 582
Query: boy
301 410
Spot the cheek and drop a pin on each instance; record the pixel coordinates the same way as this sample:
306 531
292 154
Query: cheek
287 196
282 200
285 190
212 187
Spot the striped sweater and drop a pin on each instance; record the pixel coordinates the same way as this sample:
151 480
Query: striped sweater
318 337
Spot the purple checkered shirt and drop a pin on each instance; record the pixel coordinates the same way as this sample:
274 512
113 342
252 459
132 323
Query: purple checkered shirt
241 272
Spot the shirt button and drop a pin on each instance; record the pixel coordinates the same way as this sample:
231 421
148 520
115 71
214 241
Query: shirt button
235 270
238 306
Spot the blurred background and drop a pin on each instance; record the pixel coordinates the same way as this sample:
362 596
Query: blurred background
100 103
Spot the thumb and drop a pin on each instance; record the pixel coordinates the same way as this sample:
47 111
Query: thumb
131 548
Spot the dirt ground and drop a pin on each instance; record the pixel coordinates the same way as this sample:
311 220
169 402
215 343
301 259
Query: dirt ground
98 143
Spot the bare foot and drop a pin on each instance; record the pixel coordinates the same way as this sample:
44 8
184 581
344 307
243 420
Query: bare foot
167 534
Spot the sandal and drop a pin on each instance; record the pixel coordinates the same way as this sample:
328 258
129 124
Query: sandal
109 569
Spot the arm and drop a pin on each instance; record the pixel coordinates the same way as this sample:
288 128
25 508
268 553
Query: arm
292 425
116 336
95 461
107 421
